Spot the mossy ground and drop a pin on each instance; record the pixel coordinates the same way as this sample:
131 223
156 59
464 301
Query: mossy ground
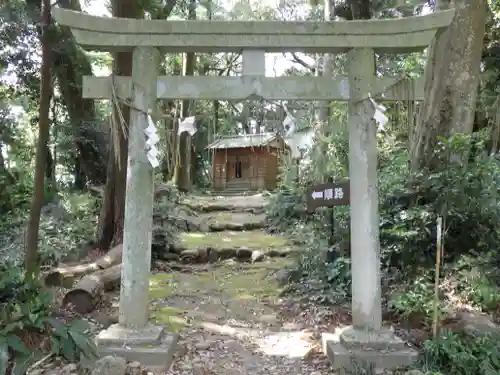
178 300
227 220
254 239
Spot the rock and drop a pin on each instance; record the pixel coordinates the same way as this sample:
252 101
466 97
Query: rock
414 372
270 319
110 365
227 253
473 323
189 256
258 256
244 253
199 370
69 369
171 256
135 368
204 227
203 254
205 345
181 224
213 255
177 248
36 371
193 224
282 277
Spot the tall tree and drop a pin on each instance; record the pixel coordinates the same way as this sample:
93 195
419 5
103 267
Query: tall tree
111 218
70 65
451 80
31 244
182 177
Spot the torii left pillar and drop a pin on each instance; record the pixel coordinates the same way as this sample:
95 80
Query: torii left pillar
133 338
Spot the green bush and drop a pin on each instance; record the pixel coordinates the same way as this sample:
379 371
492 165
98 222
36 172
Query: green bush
466 195
452 354
67 224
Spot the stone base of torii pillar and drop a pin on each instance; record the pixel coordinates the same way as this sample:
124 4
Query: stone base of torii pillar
152 345
367 344
358 348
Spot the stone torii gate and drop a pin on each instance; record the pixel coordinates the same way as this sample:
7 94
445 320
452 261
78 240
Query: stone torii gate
133 337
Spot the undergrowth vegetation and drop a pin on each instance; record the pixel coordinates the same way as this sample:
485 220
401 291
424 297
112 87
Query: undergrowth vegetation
28 328
465 194
31 325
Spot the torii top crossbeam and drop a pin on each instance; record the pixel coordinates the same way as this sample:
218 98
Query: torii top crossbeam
405 35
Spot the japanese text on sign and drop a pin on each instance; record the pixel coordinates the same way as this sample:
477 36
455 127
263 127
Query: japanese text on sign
328 195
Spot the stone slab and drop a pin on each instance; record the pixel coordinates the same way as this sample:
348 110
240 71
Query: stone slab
344 359
383 340
379 350
117 334
153 347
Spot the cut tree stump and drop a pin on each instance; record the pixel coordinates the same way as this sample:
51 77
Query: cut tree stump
65 275
89 289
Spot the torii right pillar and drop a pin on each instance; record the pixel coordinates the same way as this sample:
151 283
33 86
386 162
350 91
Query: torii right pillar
367 343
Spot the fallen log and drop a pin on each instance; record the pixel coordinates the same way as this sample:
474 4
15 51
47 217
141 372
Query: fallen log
89 289
65 275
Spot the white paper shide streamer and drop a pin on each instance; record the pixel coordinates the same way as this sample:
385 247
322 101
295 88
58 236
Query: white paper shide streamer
151 141
380 118
187 125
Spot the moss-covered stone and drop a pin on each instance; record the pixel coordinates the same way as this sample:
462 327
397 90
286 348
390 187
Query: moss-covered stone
174 296
256 239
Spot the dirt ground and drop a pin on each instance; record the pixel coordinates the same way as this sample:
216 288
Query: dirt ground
231 322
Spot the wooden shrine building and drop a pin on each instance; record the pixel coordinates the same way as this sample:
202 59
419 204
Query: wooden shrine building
246 163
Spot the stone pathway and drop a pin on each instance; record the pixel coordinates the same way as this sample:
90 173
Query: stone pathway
229 313
230 322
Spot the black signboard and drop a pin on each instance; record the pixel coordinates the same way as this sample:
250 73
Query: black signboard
329 194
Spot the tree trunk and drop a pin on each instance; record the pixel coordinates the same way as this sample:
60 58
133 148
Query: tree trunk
451 81
326 69
183 166
110 226
111 218
31 245
171 126
70 65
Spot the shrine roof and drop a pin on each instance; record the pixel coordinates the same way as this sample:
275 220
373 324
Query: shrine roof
243 141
